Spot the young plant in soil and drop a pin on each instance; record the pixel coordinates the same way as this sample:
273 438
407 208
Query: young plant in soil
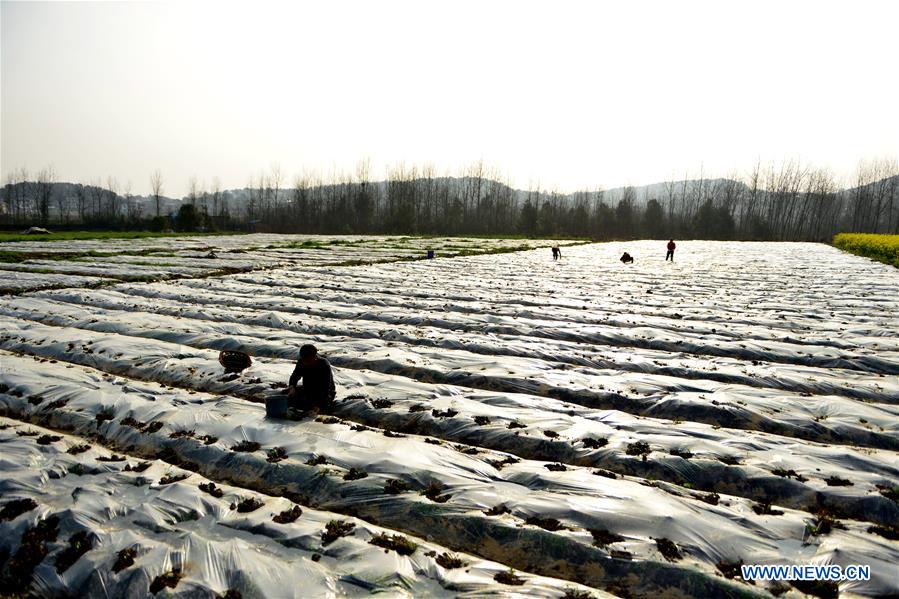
729 460
889 492
169 579
153 427
450 562
603 537
124 560
336 529
606 473
508 577
638 448
16 508
545 523
710 498
447 413
288 516
111 458
32 551
129 421
557 467
139 467
433 492
354 474
498 510
250 504
79 544
395 486
317 461
668 549
788 474
48 439
730 570
211 489
764 509
834 481
594 443
76 449
246 446
172 478
500 464
397 543
275 455
104 415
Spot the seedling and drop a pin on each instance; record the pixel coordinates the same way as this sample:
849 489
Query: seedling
603 537
16 508
211 489
250 504
397 543
508 577
288 516
545 523
355 474
124 560
246 446
169 579
276 454
336 529
172 478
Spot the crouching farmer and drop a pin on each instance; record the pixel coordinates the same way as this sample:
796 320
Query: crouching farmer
317 391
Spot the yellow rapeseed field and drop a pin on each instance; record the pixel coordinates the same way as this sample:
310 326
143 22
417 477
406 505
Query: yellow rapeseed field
884 248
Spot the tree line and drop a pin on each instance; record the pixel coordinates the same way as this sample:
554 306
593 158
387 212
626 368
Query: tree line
790 201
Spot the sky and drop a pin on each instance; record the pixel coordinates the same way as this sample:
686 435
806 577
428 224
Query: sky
564 94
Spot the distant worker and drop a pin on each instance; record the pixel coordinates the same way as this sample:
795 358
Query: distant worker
557 253
318 391
626 258
670 254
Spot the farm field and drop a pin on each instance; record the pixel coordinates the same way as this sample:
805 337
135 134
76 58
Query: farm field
505 424
883 248
39 264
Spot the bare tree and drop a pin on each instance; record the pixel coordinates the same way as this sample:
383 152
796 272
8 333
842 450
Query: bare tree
156 188
112 195
44 193
216 197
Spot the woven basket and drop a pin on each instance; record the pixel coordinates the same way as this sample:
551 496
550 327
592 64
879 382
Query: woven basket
234 361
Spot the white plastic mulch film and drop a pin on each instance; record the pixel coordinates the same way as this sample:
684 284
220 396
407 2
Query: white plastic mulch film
505 424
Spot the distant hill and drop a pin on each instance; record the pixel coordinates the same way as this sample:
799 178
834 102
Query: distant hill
236 199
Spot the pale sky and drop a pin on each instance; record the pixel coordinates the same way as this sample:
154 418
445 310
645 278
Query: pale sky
570 94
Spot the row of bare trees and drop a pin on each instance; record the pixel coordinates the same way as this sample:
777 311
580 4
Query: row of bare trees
789 201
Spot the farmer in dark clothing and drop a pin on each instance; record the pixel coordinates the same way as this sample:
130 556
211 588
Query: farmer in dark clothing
318 391
557 253
626 258
670 254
